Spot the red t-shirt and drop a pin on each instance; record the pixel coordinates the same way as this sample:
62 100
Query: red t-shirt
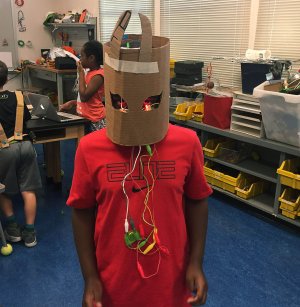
93 109
177 165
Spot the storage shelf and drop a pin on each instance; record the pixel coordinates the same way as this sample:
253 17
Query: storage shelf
257 121
242 96
244 124
265 202
262 202
247 109
238 101
294 222
90 24
245 130
292 150
71 25
78 32
250 167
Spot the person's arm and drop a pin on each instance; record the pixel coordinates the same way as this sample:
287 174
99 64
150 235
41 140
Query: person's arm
83 221
68 105
82 199
86 91
196 221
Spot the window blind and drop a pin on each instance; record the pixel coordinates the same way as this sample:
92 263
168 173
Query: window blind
278 28
109 12
202 29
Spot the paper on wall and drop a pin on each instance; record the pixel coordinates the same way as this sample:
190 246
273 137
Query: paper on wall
6 57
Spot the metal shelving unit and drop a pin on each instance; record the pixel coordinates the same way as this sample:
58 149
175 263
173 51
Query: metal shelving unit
78 33
292 150
251 167
86 25
263 202
71 25
246 115
267 202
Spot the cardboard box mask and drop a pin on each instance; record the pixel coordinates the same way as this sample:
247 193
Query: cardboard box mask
136 85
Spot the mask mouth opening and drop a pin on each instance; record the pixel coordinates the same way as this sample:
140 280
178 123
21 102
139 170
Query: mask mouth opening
149 104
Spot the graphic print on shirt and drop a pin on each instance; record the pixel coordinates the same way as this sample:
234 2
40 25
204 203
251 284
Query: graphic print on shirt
3 96
160 169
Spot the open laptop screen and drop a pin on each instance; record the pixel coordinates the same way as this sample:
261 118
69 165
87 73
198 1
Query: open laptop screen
43 108
40 104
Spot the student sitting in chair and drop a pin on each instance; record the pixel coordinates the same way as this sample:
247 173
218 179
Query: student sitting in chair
18 168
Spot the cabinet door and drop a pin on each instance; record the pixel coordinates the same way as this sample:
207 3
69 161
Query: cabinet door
43 74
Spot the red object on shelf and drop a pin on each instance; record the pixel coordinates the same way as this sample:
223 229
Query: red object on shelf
82 16
70 49
217 111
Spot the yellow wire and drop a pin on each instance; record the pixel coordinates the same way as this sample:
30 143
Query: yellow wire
147 194
147 208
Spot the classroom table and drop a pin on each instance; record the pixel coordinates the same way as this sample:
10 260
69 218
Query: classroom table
50 133
39 72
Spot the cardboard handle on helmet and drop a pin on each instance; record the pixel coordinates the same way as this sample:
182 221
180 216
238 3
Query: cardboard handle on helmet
117 35
146 39
146 42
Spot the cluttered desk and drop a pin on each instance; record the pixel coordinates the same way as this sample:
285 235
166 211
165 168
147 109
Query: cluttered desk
55 70
37 73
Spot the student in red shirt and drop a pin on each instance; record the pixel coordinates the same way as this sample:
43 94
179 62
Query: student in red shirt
91 87
139 195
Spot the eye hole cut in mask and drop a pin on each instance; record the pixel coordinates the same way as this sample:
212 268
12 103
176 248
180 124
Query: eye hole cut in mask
149 104
119 103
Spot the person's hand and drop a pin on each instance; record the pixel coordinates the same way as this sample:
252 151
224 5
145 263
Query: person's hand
67 105
197 284
79 67
92 296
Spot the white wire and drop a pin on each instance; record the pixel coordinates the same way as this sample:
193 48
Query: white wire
126 226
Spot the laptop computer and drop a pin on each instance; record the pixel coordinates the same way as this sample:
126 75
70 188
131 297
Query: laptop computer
42 107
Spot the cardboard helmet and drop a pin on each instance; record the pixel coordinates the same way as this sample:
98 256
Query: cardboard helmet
136 85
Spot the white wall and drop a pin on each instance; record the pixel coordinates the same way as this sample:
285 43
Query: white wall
13 84
35 12
92 6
